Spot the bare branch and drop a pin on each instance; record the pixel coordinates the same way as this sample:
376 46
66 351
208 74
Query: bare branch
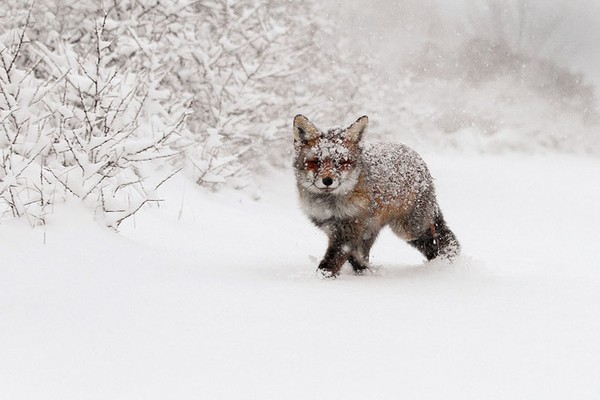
21 38
142 204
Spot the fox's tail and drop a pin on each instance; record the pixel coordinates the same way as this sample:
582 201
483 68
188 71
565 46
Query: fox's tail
437 241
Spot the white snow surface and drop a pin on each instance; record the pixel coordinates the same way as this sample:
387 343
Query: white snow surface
213 296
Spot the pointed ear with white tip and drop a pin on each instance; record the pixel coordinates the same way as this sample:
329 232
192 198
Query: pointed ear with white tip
357 130
304 130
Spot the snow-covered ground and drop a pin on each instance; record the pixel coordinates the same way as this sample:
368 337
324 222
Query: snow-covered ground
214 297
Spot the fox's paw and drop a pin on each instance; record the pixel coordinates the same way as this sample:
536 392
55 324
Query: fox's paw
359 267
450 252
324 273
361 270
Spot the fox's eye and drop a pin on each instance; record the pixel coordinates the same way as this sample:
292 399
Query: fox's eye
312 164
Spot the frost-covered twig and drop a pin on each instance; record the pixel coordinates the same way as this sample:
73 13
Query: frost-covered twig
135 210
20 42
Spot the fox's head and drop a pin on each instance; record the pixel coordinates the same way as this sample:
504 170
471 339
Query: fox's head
327 161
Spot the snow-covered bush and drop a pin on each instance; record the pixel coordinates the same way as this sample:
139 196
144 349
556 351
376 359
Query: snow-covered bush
76 122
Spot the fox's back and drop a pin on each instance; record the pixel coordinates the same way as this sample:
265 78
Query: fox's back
394 172
399 184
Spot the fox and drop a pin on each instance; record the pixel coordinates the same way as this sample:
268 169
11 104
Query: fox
352 189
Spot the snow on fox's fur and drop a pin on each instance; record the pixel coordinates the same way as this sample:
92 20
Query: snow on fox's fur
352 190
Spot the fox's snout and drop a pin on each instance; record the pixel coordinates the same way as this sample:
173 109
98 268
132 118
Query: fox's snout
327 181
326 177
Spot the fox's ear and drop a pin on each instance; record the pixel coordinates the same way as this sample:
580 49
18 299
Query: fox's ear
304 130
357 130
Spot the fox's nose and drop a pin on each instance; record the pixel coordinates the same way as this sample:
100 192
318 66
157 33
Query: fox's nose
327 181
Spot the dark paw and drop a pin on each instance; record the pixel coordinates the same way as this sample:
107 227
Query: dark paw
361 271
359 267
450 251
325 273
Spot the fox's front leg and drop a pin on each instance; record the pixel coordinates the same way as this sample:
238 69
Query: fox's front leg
360 258
343 246
336 255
